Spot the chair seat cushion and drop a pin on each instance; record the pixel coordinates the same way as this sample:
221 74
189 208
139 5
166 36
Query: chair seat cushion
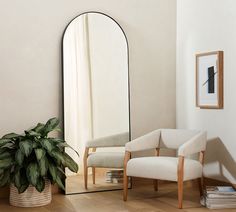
106 159
163 168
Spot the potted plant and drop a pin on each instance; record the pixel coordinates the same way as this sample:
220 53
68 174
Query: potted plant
30 163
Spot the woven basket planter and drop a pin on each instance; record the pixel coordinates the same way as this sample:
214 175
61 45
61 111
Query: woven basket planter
31 197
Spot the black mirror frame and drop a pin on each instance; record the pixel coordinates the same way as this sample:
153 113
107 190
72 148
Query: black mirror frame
62 81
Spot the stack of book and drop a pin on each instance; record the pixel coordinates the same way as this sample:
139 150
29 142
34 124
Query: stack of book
219 197
114 176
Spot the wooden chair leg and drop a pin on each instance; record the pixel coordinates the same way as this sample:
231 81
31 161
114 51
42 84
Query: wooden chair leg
93 173
180 194
180 181
86 168
201 180
126 179
155 182
85 177
157 153
125 188
200 185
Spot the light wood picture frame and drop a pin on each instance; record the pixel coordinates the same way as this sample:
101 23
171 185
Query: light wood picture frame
209 80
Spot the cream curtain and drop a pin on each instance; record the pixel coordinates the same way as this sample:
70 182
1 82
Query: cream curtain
77 89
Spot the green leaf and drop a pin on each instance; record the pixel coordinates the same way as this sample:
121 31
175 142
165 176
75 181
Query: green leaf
56 140
39 153
33 173
39 128
61 175
61 170
59 183
43 166
4 141
32 133
50 125
12 135
36 145
58 129
65 160
26 147
19 157
8 146
70 163
23 187
46 144
6 163
40 185
58 156
4 155
53 171
5 177
64 144
23 180
17 179
1 172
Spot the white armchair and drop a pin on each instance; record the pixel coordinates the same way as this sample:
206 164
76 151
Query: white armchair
104 159
177 169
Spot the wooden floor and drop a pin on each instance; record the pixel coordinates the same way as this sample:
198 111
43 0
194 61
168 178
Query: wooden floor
75 184
140 199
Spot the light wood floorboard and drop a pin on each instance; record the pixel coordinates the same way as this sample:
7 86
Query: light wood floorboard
140 199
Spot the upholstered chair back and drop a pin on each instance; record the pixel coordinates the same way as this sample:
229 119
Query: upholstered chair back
173 138
120 139
117 140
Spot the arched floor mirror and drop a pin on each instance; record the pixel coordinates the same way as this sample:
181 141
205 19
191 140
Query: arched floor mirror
96 101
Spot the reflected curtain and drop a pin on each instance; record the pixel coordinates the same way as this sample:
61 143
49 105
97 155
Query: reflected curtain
78 107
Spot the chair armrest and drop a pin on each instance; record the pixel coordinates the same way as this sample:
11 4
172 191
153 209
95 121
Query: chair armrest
145 142
117 140
194 145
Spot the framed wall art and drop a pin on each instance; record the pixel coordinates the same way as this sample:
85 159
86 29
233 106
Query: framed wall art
209 80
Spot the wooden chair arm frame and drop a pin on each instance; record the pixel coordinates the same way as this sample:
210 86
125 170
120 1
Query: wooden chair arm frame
86 154
180 174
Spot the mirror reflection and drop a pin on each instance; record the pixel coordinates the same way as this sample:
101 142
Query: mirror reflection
96 101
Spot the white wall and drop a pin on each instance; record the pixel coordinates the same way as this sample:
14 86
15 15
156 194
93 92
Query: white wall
207 25
30 59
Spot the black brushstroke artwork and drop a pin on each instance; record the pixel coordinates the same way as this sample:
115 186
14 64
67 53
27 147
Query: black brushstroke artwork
211 80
